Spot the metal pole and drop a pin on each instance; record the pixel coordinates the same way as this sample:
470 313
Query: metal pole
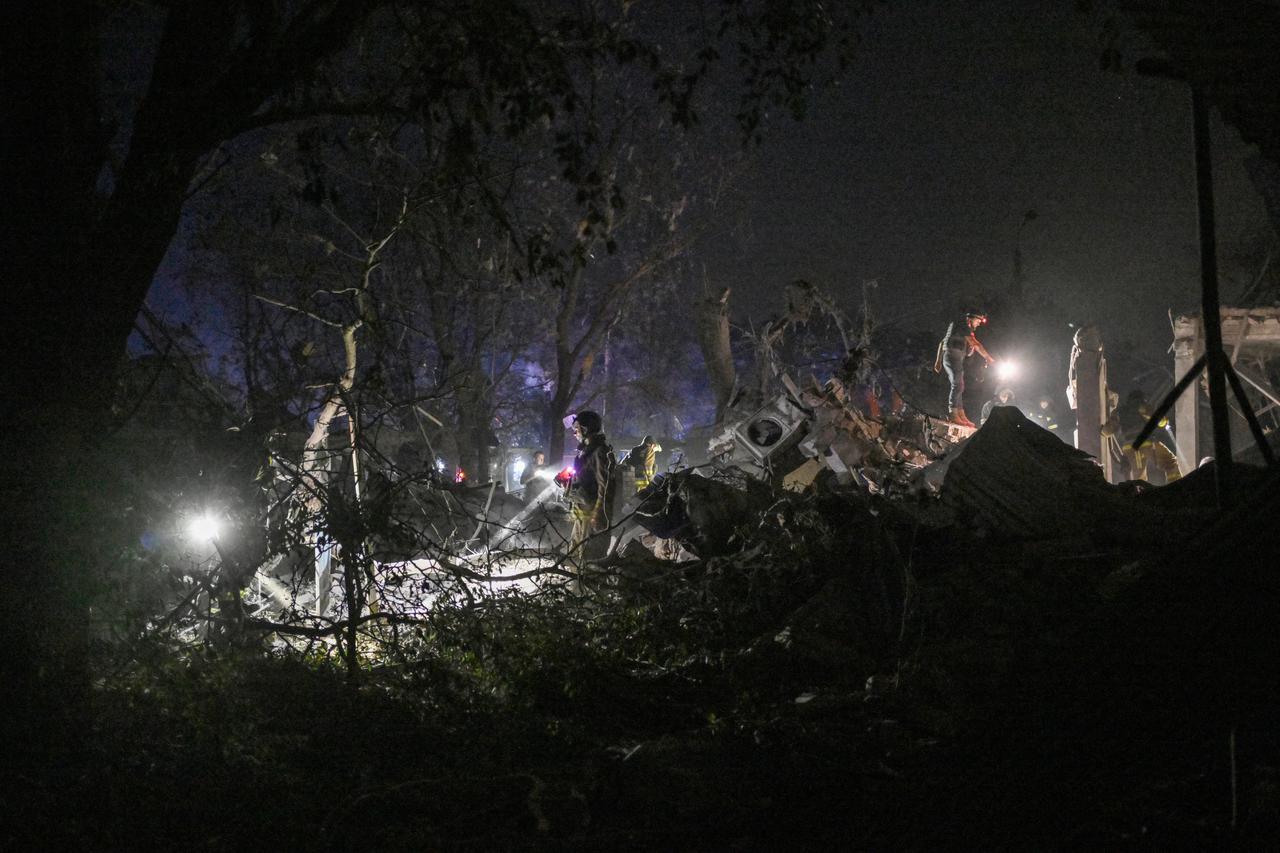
1215 357
1246 409
1153 422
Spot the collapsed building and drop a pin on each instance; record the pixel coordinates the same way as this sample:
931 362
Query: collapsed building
1251 342
1010 476
787 437
1251 339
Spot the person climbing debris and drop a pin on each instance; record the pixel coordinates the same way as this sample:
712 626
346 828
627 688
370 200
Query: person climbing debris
959 343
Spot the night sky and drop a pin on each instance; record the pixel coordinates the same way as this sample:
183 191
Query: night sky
957 118
917 169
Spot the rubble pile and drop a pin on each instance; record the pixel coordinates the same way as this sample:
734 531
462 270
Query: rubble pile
801 440
1001 622
1018 480
1011 479
801 432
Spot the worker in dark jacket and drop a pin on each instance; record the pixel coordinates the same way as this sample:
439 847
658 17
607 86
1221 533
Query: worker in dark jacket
590 488
1004 397
1045 416
535 477
644 459
1125 423
960 342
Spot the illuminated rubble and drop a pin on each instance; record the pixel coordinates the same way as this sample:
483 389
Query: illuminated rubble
780 441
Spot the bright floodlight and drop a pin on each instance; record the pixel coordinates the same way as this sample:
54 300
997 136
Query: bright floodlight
1006 370
204 527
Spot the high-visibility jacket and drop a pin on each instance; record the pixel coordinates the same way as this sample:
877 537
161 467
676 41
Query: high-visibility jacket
644 459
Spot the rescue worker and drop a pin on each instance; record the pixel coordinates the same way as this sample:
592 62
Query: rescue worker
590 488
1125 423
1003 397
644 459
1044 415
535 476
956 346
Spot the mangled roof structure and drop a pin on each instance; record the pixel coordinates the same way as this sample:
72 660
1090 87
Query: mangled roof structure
1251 340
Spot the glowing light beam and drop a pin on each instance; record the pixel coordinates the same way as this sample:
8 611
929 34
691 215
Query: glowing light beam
204 528
1007 370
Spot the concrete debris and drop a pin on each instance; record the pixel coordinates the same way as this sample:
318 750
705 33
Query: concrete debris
799 434
1014 478
804 438
701 509
1010 478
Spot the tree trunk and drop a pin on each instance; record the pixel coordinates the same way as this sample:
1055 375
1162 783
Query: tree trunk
713 339
557 410
67 321
355 605
78 272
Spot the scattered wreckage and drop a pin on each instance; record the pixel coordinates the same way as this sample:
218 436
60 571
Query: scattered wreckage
1010 479
804 431
798 437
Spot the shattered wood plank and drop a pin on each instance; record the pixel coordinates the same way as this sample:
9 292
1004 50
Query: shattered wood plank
802 477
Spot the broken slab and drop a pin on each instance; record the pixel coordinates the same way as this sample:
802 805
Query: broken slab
1016 479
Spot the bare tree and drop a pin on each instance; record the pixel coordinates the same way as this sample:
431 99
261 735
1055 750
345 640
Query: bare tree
717 353
97 193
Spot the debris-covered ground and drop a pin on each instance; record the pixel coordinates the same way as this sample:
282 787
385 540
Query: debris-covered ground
1022 657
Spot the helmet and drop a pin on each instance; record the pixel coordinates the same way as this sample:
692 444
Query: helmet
591 422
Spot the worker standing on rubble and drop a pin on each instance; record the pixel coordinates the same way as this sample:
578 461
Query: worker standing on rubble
960 342
644 459
590 487
1125 423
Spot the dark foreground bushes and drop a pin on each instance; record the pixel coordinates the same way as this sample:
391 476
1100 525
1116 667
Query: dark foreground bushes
846 679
